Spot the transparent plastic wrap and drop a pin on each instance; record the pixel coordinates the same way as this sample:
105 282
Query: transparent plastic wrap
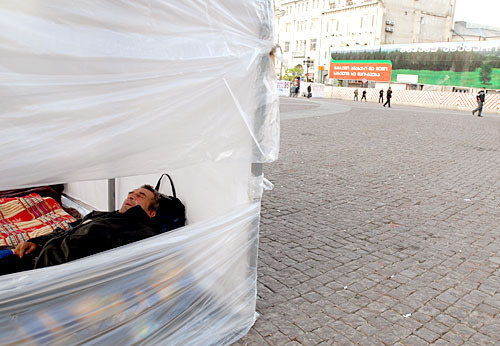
88 88
193 286
127 89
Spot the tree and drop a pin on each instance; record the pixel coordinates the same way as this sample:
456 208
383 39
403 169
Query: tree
292 73
485 73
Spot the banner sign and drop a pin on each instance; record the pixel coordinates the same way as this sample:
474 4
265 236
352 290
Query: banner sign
283 87
473 64
365 70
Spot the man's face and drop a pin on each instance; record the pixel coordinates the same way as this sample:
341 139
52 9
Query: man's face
140 196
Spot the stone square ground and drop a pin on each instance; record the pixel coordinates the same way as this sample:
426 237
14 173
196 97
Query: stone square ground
382 228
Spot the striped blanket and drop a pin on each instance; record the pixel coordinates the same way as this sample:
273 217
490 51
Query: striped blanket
23 218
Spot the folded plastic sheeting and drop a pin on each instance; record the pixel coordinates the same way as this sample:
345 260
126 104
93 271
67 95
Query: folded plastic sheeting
102 89
193 286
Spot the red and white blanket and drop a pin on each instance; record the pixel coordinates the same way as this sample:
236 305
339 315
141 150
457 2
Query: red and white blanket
23 218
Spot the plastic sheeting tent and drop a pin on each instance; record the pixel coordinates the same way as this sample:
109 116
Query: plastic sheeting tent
126 90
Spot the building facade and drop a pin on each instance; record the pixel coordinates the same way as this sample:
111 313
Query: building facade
309 29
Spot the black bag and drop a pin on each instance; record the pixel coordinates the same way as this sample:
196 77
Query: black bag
171 212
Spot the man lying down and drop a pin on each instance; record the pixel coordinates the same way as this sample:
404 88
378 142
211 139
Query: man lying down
98 231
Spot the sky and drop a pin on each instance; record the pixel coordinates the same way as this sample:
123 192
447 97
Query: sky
485 12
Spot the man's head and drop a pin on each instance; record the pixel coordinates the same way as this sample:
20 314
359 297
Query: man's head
145 196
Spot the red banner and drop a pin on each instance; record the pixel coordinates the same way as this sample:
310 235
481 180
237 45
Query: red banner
367 70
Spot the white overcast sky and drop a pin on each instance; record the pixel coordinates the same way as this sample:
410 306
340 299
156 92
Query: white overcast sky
485 12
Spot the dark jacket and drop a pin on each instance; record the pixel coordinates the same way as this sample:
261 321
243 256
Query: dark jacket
96 232
480 96
389 94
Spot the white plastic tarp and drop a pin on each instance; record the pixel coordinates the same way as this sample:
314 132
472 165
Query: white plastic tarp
170 290
101 89
94 90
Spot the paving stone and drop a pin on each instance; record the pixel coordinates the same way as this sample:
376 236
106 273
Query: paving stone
277 338
488 310
442 342
426 334
253 338
421 317
325 333
309 339
307 324
401 331
482 339
367 329
387 336
290 330
447 320
414 341
463 331
437 327
453 338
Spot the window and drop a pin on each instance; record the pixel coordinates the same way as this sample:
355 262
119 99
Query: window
287 46
313 44
313 24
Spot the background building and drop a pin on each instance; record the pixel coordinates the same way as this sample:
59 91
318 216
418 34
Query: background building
309 29
465 31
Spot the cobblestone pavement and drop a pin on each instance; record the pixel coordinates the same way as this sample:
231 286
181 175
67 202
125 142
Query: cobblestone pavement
382 228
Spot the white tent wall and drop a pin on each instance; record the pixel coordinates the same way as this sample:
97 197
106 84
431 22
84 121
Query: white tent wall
93 194
130 89
123 88
207 189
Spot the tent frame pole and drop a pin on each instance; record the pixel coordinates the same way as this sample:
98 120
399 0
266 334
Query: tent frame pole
111 194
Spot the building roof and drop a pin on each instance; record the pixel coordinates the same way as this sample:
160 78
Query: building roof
463 28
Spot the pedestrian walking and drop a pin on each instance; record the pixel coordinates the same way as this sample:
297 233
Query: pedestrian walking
388 97
481 95
356 95
297 87
381 96
363 96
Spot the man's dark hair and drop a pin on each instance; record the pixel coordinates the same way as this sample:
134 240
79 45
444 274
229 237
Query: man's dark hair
155 203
